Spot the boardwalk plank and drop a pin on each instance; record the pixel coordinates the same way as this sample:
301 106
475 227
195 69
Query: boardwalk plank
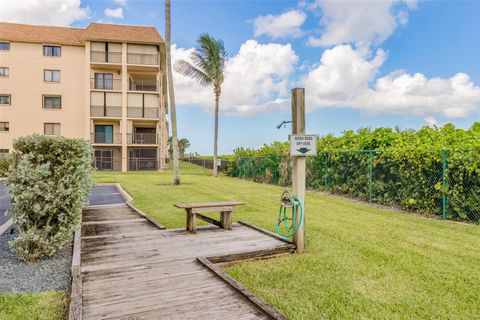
132 270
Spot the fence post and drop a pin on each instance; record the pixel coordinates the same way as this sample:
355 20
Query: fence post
325 170
444 184
371 152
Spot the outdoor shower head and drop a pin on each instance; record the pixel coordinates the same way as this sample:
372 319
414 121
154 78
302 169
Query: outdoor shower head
283 123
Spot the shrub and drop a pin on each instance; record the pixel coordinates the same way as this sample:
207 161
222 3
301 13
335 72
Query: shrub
407 168
48 186
5 161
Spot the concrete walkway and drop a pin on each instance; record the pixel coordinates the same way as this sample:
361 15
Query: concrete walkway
4 203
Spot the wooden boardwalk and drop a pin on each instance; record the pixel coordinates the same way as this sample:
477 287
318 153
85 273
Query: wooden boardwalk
130 269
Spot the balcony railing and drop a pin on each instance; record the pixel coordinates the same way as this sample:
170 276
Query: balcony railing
134 164
106 138
143 164
139 112
105 56
143 58
142 138
107 164
106 84
142 85
105 111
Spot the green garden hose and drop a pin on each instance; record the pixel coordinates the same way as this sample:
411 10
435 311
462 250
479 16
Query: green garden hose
287 201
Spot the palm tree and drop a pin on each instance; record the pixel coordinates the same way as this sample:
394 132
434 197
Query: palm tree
208 62
183 145
171 95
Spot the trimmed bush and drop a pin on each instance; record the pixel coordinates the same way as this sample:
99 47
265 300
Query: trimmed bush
407 168
5 161
48 185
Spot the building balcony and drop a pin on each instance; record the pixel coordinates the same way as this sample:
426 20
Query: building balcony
143 85
107 163
106 57
143 59
143 113
106 138
134 164
106 111
106 84
144 164
142 138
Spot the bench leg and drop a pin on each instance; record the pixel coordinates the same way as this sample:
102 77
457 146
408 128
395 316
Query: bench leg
226 219
191 222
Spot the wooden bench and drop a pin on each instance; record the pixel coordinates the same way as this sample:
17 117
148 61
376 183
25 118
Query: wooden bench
196 209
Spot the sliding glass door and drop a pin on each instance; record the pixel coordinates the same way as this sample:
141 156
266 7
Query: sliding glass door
103 133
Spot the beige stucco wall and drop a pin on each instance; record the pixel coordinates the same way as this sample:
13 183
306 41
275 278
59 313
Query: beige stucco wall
26 86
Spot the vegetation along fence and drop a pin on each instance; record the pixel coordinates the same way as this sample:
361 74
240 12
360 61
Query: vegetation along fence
208 163
445 183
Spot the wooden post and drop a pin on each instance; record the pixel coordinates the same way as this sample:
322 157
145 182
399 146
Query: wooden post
226 219
298 168
191 221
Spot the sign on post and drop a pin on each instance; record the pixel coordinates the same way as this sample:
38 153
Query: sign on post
303 145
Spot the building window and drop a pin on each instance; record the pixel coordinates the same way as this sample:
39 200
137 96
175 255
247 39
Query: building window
51 75
4 72
5 99
4 126
51 129
4 151
4 45
52 51
103 134
104 81
52 102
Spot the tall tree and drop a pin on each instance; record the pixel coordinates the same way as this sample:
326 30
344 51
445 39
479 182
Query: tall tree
171 95
208 62
183 145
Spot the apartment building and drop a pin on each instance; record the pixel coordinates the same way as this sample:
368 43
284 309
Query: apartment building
105 84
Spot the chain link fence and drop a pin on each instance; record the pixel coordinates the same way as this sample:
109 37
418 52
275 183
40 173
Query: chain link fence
208 163
444 183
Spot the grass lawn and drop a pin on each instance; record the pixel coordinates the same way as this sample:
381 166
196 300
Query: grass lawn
50 305
361 262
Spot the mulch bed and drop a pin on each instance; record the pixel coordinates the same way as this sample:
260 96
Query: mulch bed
46 274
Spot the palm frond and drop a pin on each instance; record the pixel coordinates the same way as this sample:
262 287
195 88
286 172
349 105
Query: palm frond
208 62
186 68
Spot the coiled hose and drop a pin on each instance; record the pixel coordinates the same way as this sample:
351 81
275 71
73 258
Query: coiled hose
288 201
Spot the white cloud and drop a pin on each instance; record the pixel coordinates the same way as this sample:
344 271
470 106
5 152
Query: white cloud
359 21
114 13
286 24
431 121
121 2
57 13
343 72
256 80
345 77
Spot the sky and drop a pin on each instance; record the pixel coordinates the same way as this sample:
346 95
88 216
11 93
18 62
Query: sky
402 63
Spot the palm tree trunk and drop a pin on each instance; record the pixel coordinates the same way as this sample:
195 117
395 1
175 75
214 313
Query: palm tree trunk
215 141
171 95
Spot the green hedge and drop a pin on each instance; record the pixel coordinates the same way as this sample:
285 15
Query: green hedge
47 184
429 171
5 161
